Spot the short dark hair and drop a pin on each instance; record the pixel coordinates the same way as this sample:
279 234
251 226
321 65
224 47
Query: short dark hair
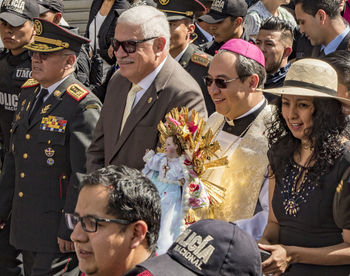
246 67
331 7
279 25
340 60
132 197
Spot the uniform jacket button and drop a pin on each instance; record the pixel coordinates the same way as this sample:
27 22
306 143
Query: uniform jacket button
20 194
22 175
27 136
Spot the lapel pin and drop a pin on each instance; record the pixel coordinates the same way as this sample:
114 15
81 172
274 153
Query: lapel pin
57 93
149 100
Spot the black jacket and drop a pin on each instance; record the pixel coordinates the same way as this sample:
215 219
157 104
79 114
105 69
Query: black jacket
46 160
106 31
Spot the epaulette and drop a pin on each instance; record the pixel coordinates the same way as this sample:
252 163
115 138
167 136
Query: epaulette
201 59
30 83
77 92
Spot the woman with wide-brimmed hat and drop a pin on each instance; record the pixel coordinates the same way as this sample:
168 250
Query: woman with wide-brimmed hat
309 156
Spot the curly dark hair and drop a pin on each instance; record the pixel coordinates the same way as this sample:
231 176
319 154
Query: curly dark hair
325 135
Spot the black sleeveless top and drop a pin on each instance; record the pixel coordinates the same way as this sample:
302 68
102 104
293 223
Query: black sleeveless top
306 216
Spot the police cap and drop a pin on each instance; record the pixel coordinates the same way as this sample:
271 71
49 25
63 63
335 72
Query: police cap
51 38
180 9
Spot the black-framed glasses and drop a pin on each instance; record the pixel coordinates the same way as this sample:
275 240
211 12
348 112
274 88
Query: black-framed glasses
220 83
129 46
89 223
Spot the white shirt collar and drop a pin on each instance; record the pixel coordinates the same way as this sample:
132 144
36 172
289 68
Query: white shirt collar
53 87
179 56
146 82
231 123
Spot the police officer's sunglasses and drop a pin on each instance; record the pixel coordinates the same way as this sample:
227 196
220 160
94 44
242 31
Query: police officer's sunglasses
129 46
44 55
220 83
89 223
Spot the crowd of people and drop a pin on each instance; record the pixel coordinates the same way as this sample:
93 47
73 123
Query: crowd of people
175 137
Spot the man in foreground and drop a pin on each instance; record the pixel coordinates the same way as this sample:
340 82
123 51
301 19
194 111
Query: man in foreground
116 221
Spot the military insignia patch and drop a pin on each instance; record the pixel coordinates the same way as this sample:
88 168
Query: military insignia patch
164 2
30 83
45 109
201 59
53 123
49 152
50 161
38 27
77 92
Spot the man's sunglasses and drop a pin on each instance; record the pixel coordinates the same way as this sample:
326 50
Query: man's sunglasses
43 55
220 83
129 46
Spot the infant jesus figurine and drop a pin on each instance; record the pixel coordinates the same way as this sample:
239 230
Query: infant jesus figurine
168 173
175 171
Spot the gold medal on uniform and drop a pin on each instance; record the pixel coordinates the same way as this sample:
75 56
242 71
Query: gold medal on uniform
50 161
49 152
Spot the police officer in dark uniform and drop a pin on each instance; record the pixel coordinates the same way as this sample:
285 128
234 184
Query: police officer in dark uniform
52 128
226 18
201 33
16 30
180 14
52 10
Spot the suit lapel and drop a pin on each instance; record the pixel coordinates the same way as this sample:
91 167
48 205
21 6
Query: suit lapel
143 106
185 59
52 101
121 93
29 105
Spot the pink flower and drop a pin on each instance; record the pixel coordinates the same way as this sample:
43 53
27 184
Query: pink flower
192 127
174 121
195 202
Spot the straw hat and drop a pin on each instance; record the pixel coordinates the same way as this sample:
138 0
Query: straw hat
310 77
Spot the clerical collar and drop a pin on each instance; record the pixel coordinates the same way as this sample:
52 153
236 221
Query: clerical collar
241 123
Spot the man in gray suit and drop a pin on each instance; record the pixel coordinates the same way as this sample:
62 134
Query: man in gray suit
148 85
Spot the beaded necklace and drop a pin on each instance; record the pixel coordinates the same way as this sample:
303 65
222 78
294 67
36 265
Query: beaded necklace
292 196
